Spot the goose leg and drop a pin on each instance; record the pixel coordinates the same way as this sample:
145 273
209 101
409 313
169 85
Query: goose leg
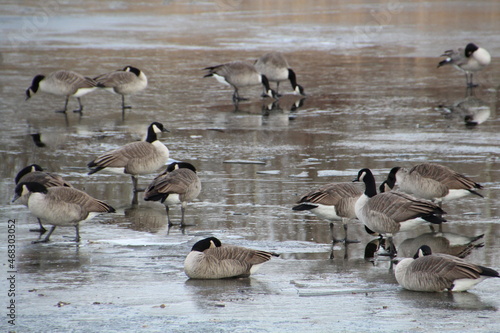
346 240
134 183
65 106
236 96
77 238
391 247
123 104
80 108
41 230
168 217
46 239
183 211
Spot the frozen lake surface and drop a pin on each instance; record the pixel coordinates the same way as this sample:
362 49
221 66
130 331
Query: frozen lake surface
375 99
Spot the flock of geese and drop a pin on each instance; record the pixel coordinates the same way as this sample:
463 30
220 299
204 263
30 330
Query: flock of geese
417 200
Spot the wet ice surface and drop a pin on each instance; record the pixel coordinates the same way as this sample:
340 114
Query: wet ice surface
375 99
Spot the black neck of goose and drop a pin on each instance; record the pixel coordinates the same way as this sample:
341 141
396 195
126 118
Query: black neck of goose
391 178
205 244
36 83
470 48
134 70
152 137
370 186
180 165
25 171
265 83
292 78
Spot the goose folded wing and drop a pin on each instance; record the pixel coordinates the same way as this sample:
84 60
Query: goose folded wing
114 79
121 156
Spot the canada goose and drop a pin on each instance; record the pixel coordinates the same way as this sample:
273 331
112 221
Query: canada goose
136 158
178 184
469 60
432 182
127 81
239 74
275 67
332 202
61 206
441 242
390 212
209 259
34 174
62 83
439 272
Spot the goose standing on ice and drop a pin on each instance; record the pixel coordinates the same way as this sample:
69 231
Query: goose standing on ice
179 184
239 74
469 60
332 202
136 158
63 83
34 174
127 81
275 67
60 206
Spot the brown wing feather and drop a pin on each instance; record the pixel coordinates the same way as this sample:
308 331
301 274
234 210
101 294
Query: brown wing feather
403 206
71 78
117 78
331 194
121 156
177 181
448 267
80 198
445 175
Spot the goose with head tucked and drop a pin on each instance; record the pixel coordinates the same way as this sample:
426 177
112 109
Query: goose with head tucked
34 174
136 158
439 272
390 212
127 81
179 184
61 206
469 60
432 182
332 202
239 74
62 83
275 67
210 259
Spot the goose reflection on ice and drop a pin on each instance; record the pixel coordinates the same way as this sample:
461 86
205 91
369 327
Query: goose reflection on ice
441 242
472 110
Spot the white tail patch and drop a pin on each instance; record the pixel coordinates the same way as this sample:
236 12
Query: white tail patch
221 79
